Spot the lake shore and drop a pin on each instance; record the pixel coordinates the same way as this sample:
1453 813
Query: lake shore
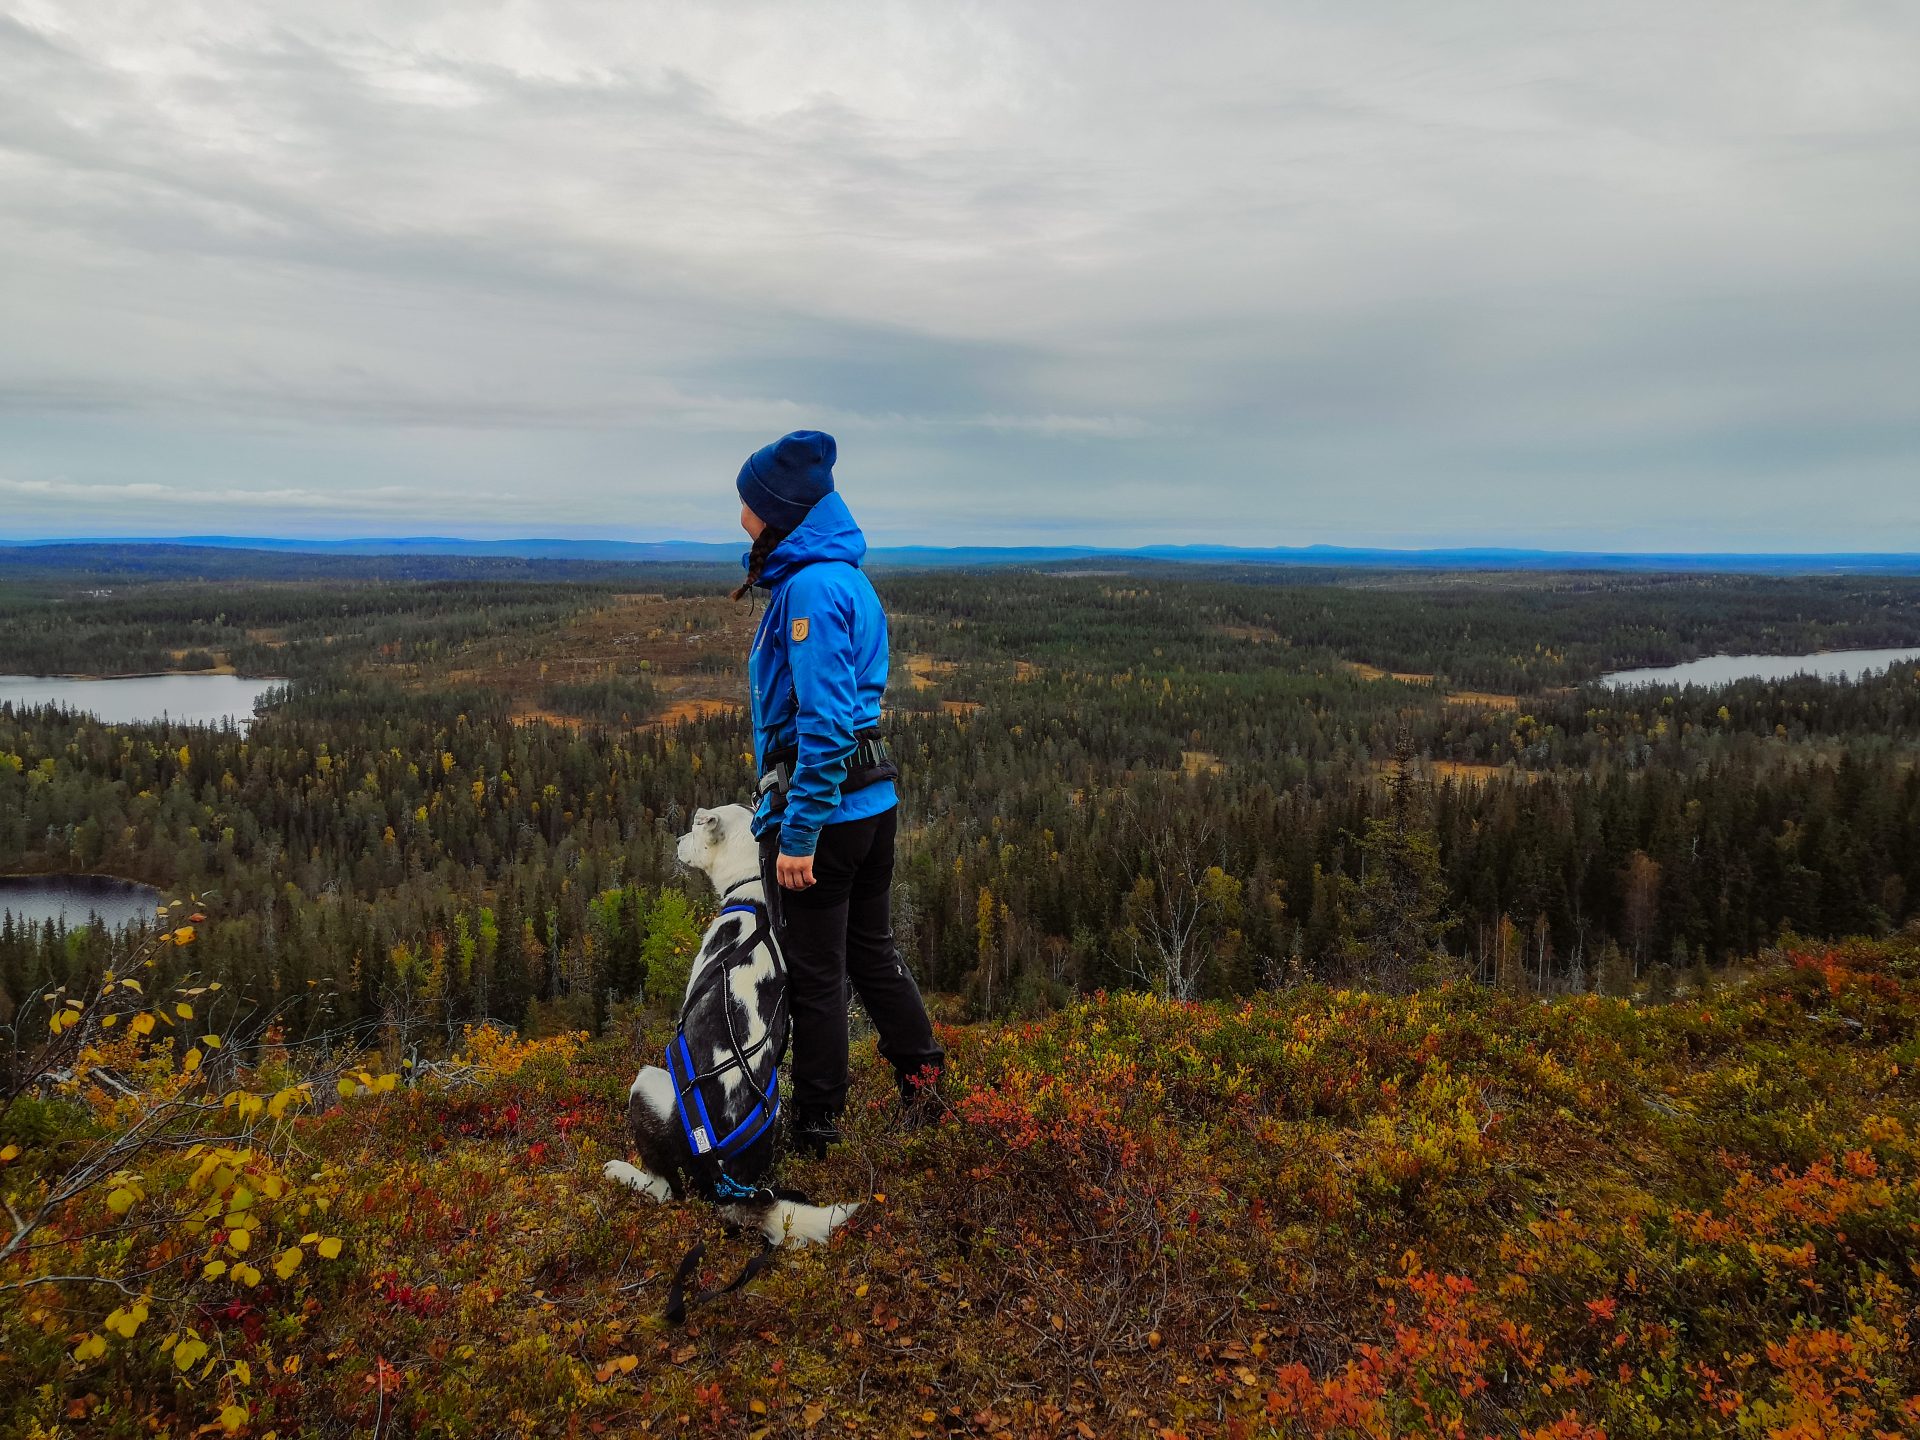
1841 666
189 697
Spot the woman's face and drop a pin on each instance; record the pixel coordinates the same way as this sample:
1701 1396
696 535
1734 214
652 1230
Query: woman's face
751 523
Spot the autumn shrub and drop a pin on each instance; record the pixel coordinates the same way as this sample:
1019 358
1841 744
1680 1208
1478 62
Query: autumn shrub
1321 1212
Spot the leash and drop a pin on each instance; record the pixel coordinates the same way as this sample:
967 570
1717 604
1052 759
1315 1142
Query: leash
728 1190
677 1303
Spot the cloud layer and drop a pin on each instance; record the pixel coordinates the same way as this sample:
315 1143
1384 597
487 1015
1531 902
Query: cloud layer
1642 277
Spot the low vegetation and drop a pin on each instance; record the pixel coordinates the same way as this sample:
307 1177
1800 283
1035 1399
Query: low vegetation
1312 1212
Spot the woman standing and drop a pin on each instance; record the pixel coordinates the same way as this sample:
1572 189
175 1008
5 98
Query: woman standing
828 806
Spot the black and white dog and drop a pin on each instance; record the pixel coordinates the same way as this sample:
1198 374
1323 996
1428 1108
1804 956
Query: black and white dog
709 1114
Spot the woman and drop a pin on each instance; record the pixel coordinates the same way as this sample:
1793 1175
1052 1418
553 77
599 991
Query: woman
827 807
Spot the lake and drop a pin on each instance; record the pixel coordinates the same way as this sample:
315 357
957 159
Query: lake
130 699
1720 669
73 899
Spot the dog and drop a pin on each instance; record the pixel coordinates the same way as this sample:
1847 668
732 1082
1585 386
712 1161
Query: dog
749 1027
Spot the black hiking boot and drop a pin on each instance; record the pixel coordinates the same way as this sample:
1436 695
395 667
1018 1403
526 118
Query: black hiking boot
815 1127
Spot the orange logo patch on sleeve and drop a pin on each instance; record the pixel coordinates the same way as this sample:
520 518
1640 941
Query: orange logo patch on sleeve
800 628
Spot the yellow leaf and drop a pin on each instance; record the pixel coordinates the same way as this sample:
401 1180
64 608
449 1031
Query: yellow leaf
109 1021
190 1062
183 1010
9 1152
288 1262
214 1270
238 1241
233 1417
243 1372
346 1089
142 1024
246 1274
184 935
212 1042
133 985
120 1201
627 1363
329 1248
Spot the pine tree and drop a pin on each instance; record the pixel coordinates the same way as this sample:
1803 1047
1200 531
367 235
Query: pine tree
1615 972
1399 903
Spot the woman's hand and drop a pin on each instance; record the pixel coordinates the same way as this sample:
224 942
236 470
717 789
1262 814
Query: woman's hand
794 872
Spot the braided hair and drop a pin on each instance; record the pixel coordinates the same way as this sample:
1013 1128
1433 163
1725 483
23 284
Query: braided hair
763 546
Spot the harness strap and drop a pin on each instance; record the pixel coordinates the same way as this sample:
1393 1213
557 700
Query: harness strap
703 1138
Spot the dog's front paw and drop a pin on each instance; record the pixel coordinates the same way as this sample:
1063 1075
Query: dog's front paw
633 1176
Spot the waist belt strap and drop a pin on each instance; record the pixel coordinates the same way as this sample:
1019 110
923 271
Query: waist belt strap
869 764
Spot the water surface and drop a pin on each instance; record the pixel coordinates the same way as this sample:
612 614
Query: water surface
1720 669
132 699
74 900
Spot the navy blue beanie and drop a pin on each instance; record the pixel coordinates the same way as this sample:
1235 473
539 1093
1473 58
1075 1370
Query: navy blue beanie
781 482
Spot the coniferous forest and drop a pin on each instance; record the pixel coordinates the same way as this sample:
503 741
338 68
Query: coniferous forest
1204 785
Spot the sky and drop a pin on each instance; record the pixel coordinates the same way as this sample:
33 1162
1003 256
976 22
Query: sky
1622 276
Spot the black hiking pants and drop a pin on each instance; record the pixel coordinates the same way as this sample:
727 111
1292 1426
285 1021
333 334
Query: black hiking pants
837 933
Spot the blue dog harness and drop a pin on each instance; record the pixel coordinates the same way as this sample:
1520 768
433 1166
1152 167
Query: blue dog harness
700 1095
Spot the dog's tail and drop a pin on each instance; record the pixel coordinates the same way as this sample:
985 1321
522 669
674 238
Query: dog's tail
787 1222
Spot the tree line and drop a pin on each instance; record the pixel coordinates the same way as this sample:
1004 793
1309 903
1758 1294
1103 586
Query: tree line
1113 791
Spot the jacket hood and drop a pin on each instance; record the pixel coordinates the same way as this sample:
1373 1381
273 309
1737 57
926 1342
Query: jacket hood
828 533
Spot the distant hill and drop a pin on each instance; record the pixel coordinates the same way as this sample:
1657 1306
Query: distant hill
92 552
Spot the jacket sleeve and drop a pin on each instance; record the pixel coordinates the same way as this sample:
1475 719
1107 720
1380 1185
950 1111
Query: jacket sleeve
826 692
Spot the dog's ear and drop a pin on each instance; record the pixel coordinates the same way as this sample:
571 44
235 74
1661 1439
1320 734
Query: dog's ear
708 823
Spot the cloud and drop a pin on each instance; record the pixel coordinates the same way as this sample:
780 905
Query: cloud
1381 272
81 496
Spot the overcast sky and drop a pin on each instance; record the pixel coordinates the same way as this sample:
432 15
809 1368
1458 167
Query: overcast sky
1613 275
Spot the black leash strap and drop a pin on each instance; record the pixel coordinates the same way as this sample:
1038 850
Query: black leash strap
770 887
677 1302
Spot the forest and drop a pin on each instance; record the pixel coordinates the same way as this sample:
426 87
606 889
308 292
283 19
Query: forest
1202 785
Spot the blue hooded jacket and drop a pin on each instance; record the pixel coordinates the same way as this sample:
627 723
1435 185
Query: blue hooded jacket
817 671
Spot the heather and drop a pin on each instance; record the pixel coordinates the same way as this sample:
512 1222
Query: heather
1310 1211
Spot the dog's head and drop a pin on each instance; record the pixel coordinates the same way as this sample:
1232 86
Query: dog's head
721 845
